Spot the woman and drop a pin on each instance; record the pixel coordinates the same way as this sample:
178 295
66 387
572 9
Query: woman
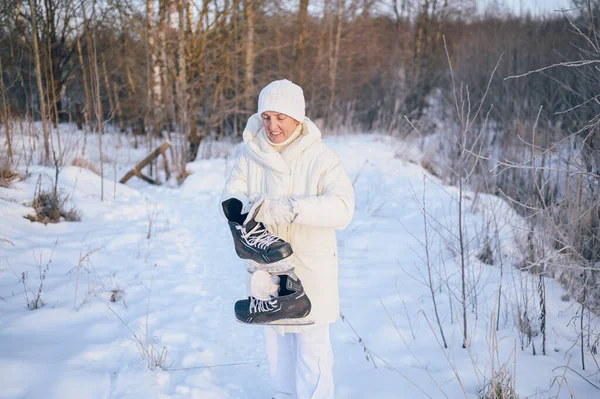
304 196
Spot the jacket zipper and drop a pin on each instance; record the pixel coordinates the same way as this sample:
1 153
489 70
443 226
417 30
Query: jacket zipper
289 192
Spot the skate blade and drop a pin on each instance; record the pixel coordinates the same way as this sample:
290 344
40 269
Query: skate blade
291 322
281 266
282 322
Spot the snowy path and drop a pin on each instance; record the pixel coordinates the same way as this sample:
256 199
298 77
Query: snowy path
189 311
80 345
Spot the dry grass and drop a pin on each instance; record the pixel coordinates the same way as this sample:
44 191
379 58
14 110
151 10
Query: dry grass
501 386
431 166
182 175
52 206
8 175
85 164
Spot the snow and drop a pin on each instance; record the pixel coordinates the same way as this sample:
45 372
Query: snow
164 256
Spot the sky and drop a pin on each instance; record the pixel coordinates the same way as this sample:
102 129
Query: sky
536 7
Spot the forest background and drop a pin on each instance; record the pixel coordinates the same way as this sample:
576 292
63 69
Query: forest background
505 103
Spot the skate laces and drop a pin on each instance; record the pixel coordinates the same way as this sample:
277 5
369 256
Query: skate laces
259 237
258 306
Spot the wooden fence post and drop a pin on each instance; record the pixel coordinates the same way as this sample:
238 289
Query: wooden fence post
136 171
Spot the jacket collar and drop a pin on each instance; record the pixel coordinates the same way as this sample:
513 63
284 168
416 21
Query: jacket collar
262 152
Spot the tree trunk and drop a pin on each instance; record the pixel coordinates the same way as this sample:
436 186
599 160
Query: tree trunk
167 16
119 109
301 45
53 86
153 78
88 97
333 60
78 116
182 90
40 86
5 116
322 56
196 48
249 62
107 85
97 98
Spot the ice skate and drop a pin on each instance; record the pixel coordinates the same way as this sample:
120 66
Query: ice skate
290 306
252 240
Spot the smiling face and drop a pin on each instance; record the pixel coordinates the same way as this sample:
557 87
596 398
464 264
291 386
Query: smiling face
278 126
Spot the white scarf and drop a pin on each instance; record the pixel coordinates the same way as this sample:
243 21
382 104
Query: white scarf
280 147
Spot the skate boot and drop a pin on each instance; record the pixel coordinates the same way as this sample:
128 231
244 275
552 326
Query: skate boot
289 308
252 240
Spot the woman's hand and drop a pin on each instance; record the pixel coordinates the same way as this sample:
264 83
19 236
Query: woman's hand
273 211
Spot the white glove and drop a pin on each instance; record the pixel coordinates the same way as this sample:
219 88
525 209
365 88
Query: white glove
263 285
273 211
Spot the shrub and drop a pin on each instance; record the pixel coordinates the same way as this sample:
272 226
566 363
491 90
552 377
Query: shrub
7 175
501 386
51 205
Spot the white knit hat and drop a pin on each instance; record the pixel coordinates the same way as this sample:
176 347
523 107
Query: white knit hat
282 96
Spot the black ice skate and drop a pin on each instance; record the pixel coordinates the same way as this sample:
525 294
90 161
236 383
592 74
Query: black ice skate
252 240
289 308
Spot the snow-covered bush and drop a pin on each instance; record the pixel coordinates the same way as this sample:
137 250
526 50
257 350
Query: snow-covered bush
52 205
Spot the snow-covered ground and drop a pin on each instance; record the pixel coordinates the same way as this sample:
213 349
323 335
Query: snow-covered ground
149 276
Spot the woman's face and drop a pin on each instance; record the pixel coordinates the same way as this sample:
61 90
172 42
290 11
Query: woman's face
278 126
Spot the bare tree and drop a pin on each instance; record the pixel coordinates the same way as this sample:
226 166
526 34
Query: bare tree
40 86
334 53
182 87
250 56
300 47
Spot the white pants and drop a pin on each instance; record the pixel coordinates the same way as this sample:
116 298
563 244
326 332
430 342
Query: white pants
301 364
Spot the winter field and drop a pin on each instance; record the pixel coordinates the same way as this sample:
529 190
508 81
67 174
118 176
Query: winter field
138 296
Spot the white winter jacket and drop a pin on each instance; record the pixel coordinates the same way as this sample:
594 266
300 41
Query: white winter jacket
309 172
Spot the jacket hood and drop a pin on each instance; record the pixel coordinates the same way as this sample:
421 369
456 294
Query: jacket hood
262 152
